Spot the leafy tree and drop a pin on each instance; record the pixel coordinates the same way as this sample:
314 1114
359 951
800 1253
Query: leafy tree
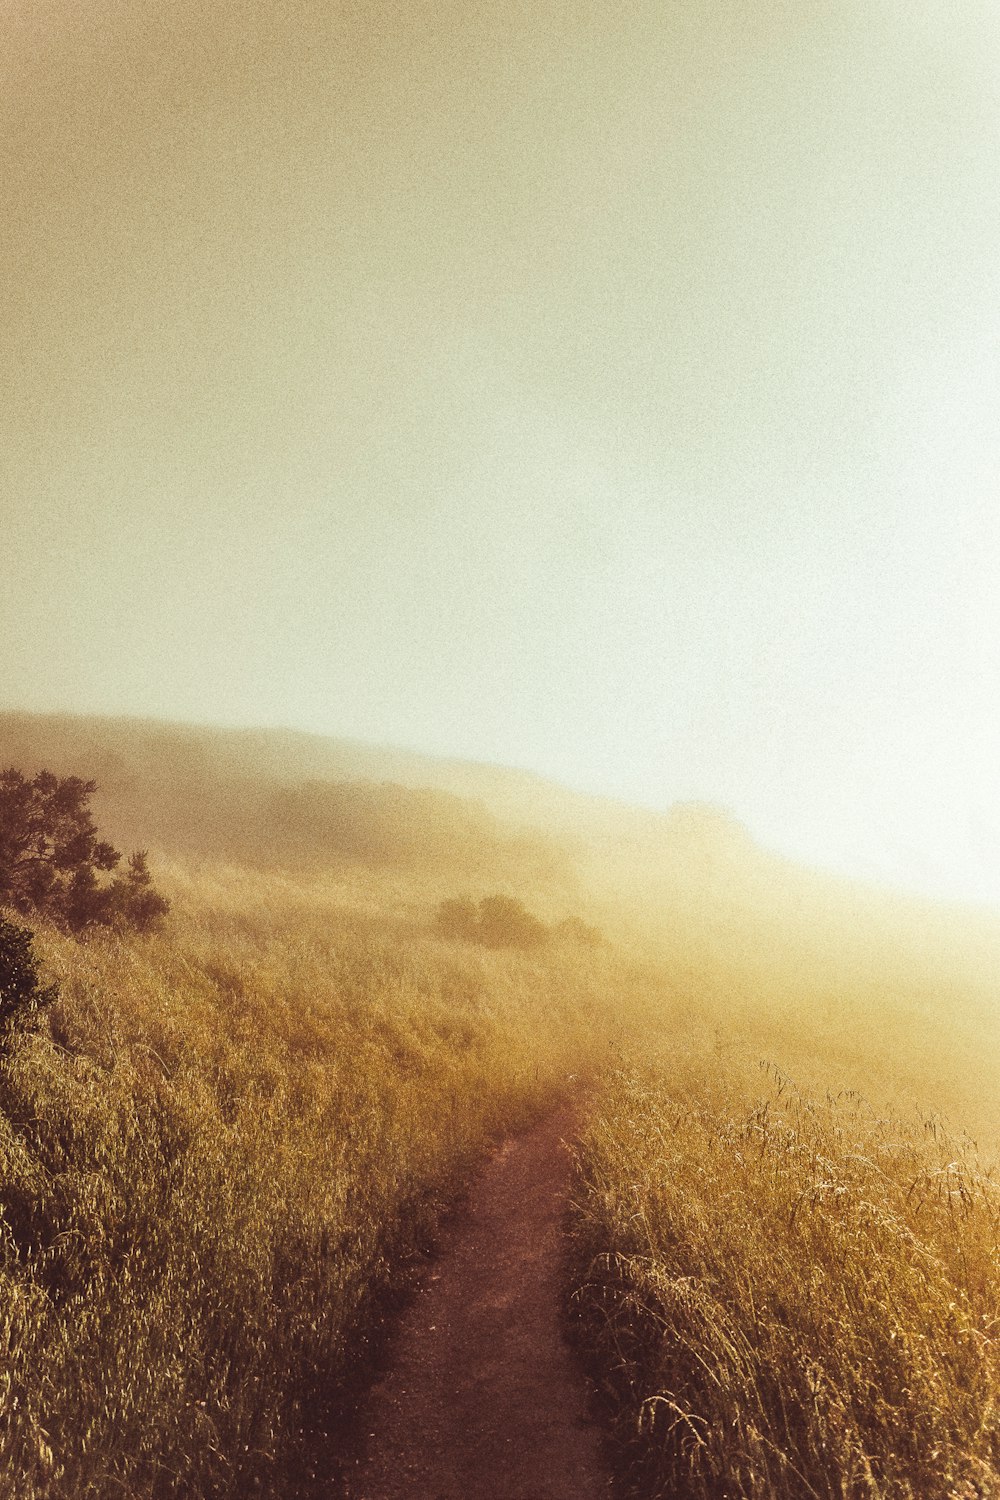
22 995
52 860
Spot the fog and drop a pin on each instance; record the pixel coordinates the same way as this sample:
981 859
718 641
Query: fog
609 393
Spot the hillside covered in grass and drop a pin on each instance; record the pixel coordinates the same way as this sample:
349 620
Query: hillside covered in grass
786 1293
229 1144
230 1141
304 803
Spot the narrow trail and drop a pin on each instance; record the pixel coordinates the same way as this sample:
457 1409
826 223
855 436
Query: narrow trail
483 1400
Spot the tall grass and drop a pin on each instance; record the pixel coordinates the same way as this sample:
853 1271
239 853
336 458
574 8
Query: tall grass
787 1295
231 1143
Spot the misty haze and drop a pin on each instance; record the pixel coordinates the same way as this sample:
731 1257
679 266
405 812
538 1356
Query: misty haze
499 823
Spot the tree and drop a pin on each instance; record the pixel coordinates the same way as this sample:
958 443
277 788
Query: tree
134 899
52 861
22 995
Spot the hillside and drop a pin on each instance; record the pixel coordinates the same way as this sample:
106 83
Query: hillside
275 798
224 1154
379 829
268 800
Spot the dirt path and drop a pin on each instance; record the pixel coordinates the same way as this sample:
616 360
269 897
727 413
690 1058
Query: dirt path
483 1400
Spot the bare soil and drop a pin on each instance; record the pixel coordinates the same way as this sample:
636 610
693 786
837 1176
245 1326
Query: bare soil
482 1399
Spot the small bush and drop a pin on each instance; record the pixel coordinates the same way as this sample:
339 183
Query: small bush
134 899
497 922
505 922
573 930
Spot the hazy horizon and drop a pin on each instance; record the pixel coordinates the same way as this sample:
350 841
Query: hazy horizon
605 394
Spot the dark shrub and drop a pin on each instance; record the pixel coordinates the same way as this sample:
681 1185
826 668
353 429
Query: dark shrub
573 930
505 922
22 996
134 899
497 922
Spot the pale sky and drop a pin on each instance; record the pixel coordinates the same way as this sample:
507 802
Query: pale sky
605 389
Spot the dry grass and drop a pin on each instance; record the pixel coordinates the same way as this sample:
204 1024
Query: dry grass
232 1144
787 1295
235 1142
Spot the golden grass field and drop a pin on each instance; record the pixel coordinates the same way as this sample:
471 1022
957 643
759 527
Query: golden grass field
787 1294
785 1235
230 1142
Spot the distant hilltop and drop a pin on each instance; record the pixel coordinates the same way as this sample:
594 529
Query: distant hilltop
285 799
153 761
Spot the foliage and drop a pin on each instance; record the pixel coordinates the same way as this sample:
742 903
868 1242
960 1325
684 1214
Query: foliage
22 995
787 1294
52 861
497 922
133 900
505 922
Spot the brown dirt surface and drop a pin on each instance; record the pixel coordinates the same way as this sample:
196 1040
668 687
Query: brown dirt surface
483 1400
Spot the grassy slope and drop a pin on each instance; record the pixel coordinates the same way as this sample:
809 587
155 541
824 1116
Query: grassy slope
241 1131
232 1140
238 1136
787 1295
785 1263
